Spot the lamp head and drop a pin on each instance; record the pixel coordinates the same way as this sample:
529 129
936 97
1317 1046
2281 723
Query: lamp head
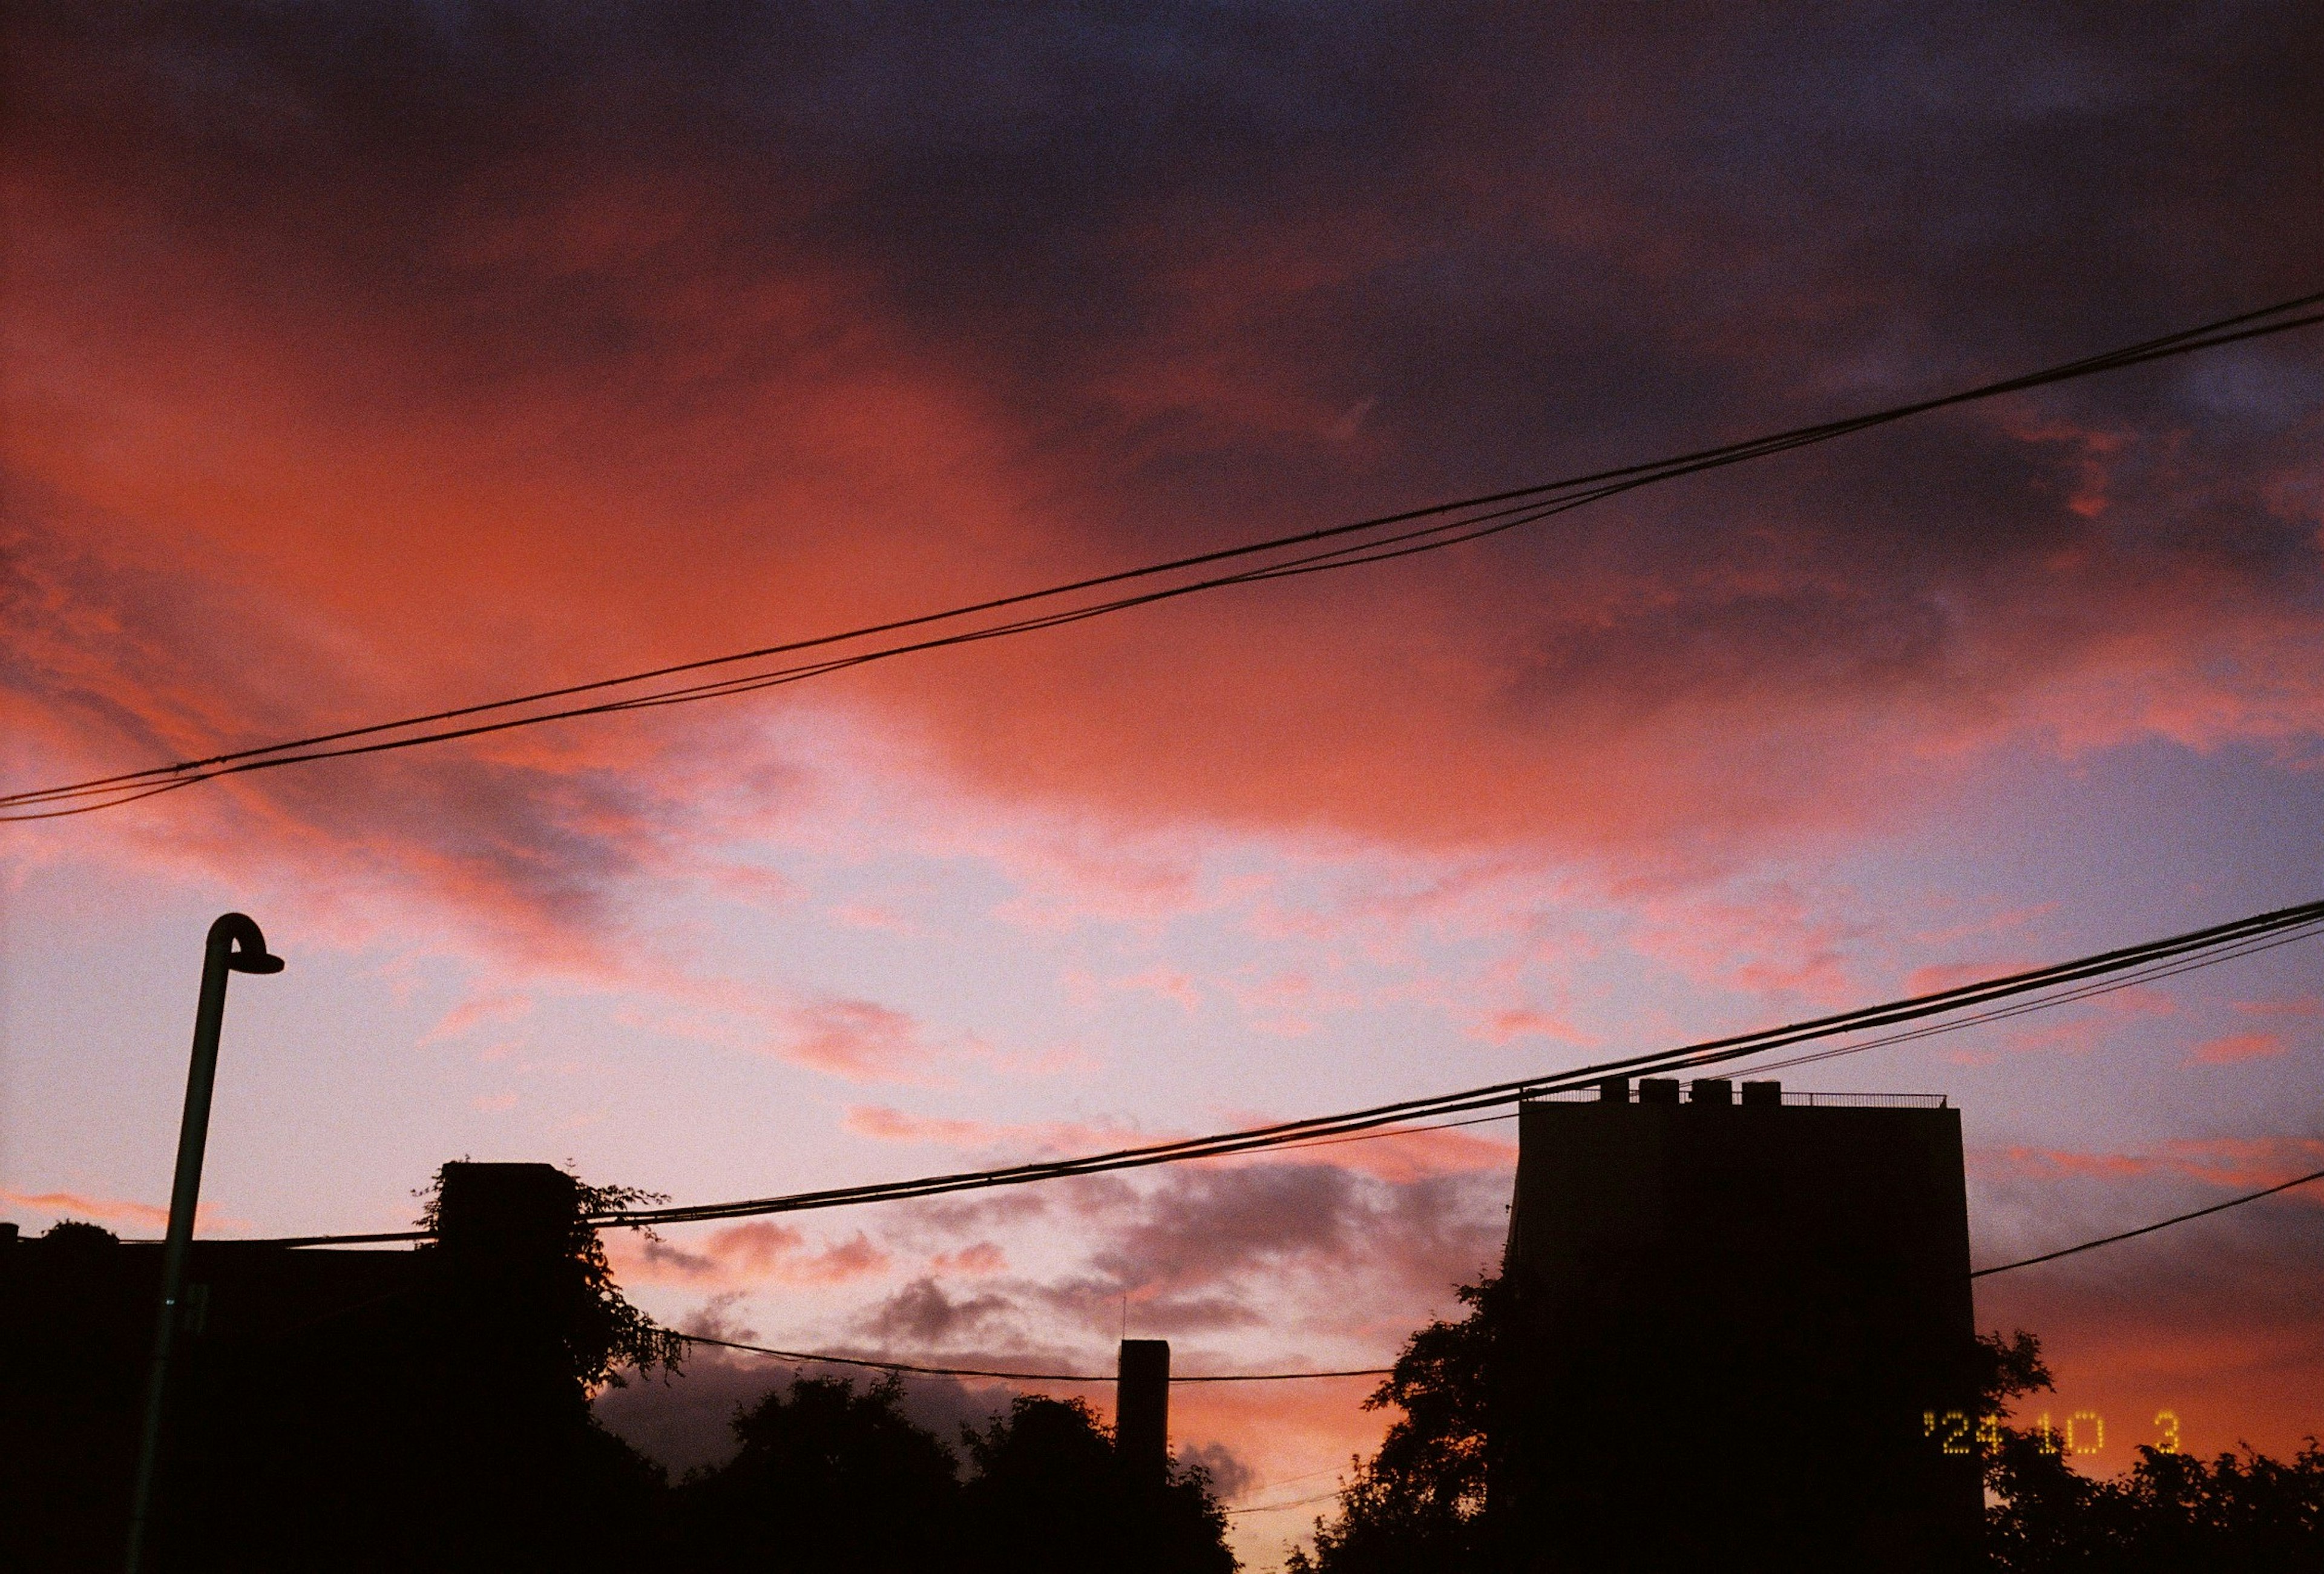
244 945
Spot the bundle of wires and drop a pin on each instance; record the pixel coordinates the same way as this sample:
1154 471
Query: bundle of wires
1965 1005
1380 539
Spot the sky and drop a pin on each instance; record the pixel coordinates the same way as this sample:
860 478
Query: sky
363 360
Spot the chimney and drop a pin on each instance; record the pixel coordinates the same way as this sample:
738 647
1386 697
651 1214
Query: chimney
506 1232
1141 1411
505 1214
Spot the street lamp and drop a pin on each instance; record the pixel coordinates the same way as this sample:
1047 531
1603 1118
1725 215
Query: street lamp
236 945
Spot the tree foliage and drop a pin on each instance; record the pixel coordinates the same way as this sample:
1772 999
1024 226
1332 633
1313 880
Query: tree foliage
598 1331
2170 1513
1049 1496
1418 1505
828 1478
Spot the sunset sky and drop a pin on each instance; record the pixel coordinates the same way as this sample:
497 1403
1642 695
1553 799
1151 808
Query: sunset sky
372 359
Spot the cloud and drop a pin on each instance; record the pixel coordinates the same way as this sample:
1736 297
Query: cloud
2229 1048
1229 1477
1168 981
2241 1162
2086 1028
760 1252
975 1260
683 339
923 1315
882 1124
499 1006
1528 1022
2213 1321
2298 1007
858 1040
117 1210
1211 1249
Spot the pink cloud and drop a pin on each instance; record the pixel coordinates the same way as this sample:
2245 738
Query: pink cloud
1528 1021
2230 1048
1167 982
1773 940
1939 976
873 915
2303 1006
759 1252
80 1205
1418 1155
858 1040
981 1259
2237 1162
506 1006
883 1123
2087 1027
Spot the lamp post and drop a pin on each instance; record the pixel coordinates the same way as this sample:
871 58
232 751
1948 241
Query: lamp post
236 945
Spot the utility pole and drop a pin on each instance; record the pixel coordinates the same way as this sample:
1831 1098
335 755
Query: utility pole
236 945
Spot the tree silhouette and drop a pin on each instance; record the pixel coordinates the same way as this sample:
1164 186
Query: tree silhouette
1418 1506
1050 1495
2171 1512
827 1478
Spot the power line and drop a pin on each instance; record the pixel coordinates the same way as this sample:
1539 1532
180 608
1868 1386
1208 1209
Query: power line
909 1369
1378 538
912 1369
2057 984
1270 1507
2304 917
2148 1229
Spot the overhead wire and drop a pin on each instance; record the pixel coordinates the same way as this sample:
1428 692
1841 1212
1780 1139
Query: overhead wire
2057 984
2148 1229
909 1369
2305 916
912 1369
1453 524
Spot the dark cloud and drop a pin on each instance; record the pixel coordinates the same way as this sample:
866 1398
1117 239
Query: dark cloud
1229 1476
923 1316
685 1420
1143 280
1211 1249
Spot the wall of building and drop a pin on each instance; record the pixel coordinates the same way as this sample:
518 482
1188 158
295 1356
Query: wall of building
1734 1320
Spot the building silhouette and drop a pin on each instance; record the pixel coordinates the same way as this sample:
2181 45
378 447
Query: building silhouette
342 1409
1737 1330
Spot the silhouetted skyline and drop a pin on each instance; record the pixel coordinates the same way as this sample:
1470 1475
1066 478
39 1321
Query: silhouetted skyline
385 360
